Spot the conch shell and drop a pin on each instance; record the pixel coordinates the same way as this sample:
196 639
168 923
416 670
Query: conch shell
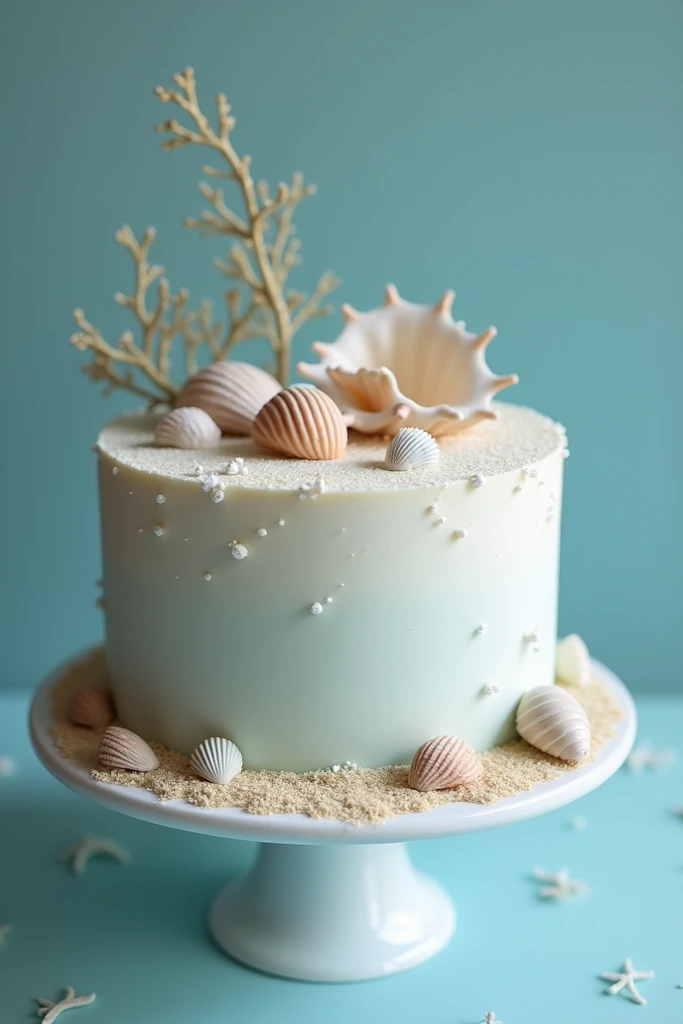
405 365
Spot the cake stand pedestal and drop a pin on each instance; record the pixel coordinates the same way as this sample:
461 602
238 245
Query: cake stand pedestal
325 900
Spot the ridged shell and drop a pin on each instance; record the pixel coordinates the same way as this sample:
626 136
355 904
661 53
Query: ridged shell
121 748
217 760
572 661
187 427
232 394
301 422
553 721
411 448
444 763
407 365
90 707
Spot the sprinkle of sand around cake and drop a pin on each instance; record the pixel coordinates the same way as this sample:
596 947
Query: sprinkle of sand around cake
359 796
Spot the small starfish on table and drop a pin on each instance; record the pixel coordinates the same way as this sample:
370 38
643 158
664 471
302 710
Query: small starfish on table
5 929
645 756
627 979
80 852
558 886
490 1018
49 1011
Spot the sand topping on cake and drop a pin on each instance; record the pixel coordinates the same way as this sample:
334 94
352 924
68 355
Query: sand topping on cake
519 437
353 794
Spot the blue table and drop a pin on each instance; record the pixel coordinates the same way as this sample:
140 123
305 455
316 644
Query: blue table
135 934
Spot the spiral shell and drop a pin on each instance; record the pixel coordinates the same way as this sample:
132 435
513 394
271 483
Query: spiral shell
444 763
90 707
553 721
187 427
411 448
572 661
301 422
121 748
231 393
217 760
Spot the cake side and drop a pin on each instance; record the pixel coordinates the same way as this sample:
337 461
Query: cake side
314 628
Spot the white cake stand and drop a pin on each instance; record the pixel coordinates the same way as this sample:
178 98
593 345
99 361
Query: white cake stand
325 900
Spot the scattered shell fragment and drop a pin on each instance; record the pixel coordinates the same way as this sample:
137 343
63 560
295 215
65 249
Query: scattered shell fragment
553 721
121 748
232 393
412 448
216 760
187 427
444 763
572 661
90 707
301 422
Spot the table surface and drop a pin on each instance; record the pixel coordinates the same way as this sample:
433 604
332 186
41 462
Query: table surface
135 934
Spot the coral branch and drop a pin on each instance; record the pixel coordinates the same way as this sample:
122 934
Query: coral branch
49 1010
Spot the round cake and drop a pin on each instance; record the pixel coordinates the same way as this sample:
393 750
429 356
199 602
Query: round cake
323 612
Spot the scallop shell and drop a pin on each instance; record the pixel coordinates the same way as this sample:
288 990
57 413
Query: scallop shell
553 721
187 427
572 661
404 365
217 760
301 422
90 707
444 763
231 393
121 748
411 448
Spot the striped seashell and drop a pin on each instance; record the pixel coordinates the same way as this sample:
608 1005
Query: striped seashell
553 721
231 393
121 748
187 427
410 449
90 707
572 661
302 422
216 760
444 763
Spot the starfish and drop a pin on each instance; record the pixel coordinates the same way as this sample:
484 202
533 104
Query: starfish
5 929
627 979
490 1018
559 886
645 756
49 1011
80 852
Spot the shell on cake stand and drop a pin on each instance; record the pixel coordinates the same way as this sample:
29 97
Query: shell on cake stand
121 748
404 364
553 721
91 708
216 760
444 763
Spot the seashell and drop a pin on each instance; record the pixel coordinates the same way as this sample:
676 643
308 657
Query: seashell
121 748
187 427
553 721
90 707
217 760
572 661
405 365
444 763
231 393
411 448
301 422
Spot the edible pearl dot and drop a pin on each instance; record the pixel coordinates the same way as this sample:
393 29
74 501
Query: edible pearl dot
160 499
459 534
261 532
158 530
114 470
316 608
207 576
140 529
432 509
239 551
476 481
280 522
328 600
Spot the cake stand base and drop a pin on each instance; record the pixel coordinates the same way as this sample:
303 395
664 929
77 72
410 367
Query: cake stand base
325 900
330 913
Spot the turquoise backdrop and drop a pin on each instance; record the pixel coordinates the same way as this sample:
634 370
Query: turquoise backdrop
527 153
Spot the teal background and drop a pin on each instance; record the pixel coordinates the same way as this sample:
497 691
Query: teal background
527 153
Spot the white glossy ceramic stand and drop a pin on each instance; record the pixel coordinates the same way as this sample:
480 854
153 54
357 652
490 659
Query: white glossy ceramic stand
325 900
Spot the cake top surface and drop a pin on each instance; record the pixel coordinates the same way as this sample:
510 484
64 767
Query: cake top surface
517 438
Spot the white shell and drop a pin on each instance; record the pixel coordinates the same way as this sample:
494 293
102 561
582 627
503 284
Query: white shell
217 760
90 707
187 427
407 365
553 721
572 661
444 763
121 748
232 393
411 448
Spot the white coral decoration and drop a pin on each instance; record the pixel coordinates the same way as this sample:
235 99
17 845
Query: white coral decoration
407 365
50 1010
412 448
216 760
